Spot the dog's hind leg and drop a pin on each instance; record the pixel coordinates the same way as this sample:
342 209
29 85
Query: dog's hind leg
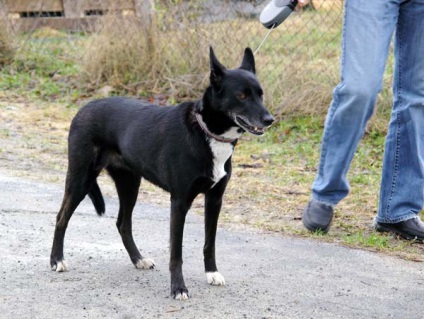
127 185
213 203
79 181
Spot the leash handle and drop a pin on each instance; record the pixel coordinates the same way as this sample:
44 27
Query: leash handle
276 12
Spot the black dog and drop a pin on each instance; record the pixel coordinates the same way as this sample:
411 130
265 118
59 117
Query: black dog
186 150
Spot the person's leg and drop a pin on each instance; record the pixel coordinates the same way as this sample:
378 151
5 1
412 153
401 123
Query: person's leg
367 32
402 185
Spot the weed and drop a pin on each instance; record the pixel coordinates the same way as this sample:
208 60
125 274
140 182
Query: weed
364 239
43 69
4 133
319 233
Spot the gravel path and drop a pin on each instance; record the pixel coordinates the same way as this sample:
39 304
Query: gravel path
268 276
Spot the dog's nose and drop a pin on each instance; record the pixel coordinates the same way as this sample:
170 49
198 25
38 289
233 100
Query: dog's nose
268 120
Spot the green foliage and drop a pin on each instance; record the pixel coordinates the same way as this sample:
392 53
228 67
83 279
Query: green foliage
42 69
363 239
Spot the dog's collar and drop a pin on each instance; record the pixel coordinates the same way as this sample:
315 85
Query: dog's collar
209 133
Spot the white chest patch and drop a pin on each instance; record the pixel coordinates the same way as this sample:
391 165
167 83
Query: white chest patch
221 153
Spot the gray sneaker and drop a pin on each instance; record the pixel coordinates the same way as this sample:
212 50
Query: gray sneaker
317 216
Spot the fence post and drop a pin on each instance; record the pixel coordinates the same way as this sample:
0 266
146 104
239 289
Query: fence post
3 10
143 10
73 9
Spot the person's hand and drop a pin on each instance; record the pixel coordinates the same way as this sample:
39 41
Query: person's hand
301 4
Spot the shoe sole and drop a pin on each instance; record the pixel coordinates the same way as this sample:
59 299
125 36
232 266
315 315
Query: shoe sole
384 229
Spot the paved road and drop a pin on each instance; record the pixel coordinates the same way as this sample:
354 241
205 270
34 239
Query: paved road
268 276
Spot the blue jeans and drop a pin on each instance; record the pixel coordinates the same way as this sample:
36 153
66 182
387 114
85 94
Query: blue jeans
368 29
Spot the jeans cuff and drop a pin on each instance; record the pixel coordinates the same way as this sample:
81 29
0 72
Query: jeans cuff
410 215
325 202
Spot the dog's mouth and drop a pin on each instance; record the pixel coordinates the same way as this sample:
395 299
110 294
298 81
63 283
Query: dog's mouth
247 127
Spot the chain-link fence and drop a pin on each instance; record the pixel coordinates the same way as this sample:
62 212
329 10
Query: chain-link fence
147 47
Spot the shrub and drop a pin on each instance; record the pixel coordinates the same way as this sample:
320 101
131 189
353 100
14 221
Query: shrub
7 47
126 53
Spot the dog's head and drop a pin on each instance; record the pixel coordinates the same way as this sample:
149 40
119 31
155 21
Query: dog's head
238 94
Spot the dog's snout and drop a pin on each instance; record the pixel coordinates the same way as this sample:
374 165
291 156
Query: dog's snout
268 120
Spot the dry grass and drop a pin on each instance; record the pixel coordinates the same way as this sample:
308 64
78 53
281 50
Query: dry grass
298 65
129 55
298 69
7 45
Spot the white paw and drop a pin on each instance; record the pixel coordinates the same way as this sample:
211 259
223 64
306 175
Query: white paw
145 263
182 296
215 278
60 266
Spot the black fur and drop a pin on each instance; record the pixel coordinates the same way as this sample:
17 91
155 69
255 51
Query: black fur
165 145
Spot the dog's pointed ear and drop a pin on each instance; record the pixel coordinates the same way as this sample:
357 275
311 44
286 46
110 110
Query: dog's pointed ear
217 69
248 62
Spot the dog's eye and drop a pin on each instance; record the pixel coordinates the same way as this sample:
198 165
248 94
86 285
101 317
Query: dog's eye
242 96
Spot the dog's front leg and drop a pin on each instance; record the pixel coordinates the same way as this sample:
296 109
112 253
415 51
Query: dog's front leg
213 203
179 210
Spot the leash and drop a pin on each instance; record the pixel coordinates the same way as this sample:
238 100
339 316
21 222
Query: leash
209 133
264 39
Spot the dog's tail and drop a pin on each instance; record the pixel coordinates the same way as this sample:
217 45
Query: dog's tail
96 197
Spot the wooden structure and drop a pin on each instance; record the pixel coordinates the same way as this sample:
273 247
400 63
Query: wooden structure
327 4
73 15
